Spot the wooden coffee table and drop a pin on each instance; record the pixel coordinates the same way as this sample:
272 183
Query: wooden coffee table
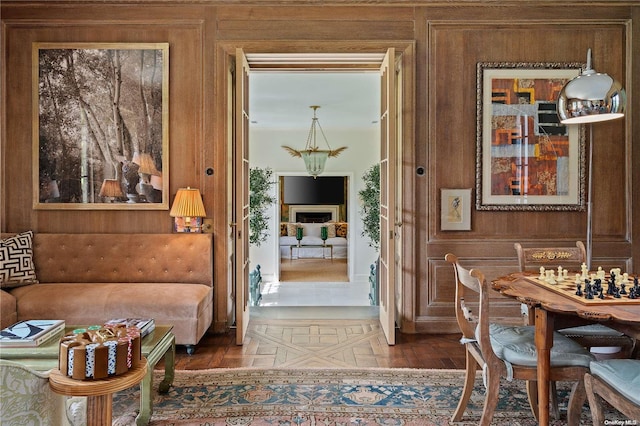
99 392
158 344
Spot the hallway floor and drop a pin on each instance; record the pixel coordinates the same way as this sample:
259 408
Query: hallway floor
327 325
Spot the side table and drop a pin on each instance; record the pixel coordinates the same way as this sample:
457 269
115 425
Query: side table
99 393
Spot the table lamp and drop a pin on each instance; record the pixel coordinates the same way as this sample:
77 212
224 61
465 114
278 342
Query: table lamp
188 210
111 189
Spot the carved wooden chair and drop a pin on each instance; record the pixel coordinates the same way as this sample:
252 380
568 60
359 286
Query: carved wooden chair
508 351
572 258
617 381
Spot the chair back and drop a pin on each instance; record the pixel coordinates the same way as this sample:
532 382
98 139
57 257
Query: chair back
472 283
532 258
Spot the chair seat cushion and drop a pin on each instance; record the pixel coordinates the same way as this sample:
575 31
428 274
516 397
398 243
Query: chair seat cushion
517 346
591 330
621 374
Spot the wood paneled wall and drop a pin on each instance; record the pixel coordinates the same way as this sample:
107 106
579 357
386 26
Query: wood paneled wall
445 43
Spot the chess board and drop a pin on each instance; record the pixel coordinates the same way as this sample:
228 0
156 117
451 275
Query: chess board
568 289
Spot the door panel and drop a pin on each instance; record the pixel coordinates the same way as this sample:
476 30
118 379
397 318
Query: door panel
387 195
241 187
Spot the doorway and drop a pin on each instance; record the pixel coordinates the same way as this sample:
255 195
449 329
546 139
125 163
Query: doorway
393 71
280 115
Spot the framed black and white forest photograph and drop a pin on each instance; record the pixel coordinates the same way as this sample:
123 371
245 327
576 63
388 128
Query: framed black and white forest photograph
100 126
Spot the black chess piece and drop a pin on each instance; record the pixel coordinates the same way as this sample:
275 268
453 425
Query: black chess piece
589 291
623 288
579 290
601 294
597 285
616 293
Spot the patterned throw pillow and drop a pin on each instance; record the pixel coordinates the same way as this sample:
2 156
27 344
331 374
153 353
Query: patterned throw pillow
341 229
331 230
16 261
283 229
292 229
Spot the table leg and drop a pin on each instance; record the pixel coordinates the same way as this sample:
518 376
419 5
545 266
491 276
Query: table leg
166 348
99 410
544 342
169 368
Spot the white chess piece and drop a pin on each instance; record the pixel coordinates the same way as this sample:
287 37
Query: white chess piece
585 271
551 277
577 280
542 275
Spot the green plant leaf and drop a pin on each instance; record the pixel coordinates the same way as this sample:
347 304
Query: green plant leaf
370 210
260 198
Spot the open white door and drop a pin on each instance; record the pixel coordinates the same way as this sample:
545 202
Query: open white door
388 178
241 198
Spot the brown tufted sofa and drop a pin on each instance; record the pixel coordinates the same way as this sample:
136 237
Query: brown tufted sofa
90 278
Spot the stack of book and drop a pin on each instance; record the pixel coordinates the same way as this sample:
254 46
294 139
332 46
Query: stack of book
30 333
145 325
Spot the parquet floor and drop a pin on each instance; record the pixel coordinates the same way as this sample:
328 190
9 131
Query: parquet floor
323 343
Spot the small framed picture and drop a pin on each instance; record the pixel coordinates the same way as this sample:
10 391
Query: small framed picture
455 209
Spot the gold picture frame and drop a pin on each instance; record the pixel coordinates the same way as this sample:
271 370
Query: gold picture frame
100 126
526 159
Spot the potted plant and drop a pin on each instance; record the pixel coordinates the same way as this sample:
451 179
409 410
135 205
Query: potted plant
260 198
370 210
370 213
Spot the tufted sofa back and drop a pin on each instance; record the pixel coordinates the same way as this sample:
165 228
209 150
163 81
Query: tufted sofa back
125 258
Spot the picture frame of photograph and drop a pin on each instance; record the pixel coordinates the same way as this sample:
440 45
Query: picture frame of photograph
100 126
525 158
455 209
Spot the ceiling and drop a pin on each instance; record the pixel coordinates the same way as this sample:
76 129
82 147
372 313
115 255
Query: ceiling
282 99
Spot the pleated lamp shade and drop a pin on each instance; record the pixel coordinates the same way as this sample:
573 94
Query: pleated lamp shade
111 188
146 163
188 203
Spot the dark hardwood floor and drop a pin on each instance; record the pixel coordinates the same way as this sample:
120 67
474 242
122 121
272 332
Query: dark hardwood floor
325 344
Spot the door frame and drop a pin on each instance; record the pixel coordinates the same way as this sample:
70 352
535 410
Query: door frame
225 59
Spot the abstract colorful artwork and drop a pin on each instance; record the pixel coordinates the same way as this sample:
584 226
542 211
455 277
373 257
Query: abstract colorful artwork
527 159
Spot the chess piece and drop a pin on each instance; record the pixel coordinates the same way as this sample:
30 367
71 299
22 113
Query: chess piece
589 291
542 275
551 277
585 271
579 290
597 285
577 280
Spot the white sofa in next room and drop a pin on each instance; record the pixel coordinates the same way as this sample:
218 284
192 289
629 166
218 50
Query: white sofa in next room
311 236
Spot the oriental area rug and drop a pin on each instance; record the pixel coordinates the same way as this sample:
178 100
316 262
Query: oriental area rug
326 397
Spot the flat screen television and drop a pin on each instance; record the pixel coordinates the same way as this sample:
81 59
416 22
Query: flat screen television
307 190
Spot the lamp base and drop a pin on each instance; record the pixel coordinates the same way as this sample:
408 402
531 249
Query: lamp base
194 225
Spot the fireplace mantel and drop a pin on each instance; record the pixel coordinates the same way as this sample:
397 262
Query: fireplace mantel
314 208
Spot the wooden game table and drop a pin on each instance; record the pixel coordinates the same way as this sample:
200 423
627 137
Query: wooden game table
554 310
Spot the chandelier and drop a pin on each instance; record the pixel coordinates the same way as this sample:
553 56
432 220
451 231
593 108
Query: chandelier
314 158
